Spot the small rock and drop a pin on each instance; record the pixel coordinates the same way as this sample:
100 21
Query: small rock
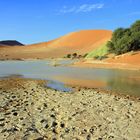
4 130
45 105
88 137
21 118
2 119
13 97
15 113
62 125
2 124
54 131
46 126
8 113
54 124
40 138
52 115
67 130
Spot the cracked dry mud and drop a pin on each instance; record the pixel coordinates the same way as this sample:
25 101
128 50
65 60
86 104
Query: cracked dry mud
29 111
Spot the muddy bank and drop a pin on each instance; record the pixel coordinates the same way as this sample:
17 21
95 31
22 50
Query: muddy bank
28 110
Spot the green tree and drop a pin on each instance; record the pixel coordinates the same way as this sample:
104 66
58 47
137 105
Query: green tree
135 45
125 40
123 45
117 34
68 55
135 27
111 47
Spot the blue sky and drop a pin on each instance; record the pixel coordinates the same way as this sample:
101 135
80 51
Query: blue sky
32 21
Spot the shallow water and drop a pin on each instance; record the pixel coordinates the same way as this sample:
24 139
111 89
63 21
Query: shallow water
124 81
59 86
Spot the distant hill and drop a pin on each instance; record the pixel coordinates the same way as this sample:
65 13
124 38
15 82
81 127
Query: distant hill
10 43
80 42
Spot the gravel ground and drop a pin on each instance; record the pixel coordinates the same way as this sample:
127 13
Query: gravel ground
29 111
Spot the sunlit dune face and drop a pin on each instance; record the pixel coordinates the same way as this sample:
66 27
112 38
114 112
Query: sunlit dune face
80 42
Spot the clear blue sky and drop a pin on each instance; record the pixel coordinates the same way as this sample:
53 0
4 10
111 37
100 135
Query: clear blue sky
31 21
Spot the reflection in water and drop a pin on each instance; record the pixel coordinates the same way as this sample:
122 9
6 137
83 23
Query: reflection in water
82 82
125 85
58 86
124 81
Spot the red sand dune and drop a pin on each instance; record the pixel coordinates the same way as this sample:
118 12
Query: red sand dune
77 42
128 58
125 61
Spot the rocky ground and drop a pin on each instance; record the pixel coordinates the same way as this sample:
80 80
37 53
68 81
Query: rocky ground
29 111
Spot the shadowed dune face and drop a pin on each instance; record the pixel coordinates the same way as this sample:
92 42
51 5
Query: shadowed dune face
80 42
9 43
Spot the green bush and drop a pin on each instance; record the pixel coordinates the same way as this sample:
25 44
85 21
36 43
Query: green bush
68 55
100 57
136 26
125 40
74 55
85 55
96 57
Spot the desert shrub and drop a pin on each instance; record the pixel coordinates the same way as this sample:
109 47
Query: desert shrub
68 55
96 57
80 56
85 55
135 27
100 57
74 55
111 47
125 40
103 57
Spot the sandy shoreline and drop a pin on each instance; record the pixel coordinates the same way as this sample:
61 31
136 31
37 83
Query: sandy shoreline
28 110
86 63
128 61
107 65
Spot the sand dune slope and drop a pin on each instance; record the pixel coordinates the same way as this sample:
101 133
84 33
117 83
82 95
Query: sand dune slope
129 61
128 58
77 42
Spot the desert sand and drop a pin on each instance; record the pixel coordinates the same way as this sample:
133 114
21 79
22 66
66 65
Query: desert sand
130 61
31 111
80 42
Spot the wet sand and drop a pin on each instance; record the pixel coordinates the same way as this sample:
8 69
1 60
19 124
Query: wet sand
30 111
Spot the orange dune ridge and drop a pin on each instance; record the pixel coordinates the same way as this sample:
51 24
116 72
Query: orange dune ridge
80 42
